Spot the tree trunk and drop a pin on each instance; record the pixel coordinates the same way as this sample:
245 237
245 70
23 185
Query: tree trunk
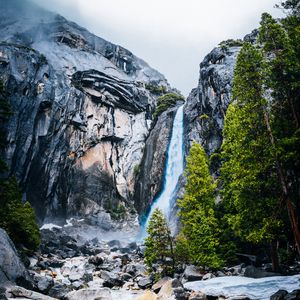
290 207
274 257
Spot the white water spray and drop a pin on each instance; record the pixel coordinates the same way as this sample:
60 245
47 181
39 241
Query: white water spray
173 169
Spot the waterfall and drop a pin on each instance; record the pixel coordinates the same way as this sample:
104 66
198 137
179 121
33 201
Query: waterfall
173 169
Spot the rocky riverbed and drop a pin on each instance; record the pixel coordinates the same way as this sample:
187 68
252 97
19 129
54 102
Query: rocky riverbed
69 267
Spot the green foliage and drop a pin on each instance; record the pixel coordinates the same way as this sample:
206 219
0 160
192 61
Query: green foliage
166 101
204 117
230 43
159 244
18 218
200 226
181 250
156 89
248 168
136 170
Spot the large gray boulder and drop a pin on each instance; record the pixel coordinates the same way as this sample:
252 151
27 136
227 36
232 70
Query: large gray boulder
11 267
89 294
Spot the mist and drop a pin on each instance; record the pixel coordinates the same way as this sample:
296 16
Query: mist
173 36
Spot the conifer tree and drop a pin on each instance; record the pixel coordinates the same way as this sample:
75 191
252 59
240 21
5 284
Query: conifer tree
197 214
159 243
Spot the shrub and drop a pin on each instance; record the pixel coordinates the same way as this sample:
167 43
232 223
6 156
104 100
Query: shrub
18 218
156 89
166 101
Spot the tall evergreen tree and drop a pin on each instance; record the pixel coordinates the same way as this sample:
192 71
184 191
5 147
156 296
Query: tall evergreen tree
250 181
197 210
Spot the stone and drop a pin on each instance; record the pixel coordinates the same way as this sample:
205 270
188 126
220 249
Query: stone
111 279
43 283
125 276
191 273
12 269
197 296
147 295
145 282
89 294
253 272
157 286
20 292
208 276
279 295
96 260
59 290
294 295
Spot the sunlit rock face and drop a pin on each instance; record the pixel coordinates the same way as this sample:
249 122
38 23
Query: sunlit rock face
81 112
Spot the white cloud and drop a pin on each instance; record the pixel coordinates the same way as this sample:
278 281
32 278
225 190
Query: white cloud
171 35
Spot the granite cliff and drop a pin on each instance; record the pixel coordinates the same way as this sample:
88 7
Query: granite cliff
82 114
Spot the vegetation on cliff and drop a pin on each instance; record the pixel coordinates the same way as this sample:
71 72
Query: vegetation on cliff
17 217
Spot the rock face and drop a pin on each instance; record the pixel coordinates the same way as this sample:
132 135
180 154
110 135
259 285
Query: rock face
81 116
206 105
11 267
151 170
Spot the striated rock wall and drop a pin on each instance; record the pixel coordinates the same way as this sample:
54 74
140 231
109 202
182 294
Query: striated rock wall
206 105
151 170
81 116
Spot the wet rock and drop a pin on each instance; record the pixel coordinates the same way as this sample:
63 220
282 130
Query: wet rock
149 181
294 295
145 282
251 271
89 294
208 276
191 273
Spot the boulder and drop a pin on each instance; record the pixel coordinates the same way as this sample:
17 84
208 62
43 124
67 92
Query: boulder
279 295
111 279
11 267
191 273
43 283
251 271
145 282
59 290
157 286
89 294
96 260
19 292
197 296
294 295
208 276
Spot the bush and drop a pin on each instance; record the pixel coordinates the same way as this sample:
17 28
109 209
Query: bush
166 101
156 89
18 218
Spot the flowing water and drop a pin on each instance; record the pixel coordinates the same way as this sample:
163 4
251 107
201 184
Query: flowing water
173 170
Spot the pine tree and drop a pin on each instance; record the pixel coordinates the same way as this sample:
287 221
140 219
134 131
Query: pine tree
159 243
249 173
197 214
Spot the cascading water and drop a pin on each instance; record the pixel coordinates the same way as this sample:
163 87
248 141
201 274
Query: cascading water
173 169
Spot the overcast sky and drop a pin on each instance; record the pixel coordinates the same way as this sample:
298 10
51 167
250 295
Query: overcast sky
173 36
